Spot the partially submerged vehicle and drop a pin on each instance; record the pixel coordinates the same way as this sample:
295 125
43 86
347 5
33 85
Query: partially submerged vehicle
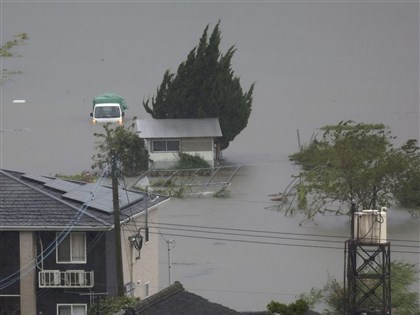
108 107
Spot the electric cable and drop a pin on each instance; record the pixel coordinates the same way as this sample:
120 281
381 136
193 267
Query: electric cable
270 243
261 233
203 236
268 231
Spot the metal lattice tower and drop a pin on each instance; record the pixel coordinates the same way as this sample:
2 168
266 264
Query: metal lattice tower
368 287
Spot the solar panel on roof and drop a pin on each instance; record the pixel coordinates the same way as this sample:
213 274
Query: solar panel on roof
37 178
62 185
102 197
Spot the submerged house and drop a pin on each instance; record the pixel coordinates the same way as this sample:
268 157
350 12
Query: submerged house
58 244
166 138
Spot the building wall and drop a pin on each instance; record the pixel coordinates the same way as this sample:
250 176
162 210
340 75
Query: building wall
48 298
9 264
204 147
141 269
23 247
28 273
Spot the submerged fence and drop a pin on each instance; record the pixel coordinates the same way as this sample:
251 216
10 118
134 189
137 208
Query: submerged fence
187 182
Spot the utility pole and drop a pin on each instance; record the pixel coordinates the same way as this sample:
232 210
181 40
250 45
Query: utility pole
117 229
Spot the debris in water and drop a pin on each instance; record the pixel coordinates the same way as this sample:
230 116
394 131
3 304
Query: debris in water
19 101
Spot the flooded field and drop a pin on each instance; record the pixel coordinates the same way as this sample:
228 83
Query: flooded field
313 64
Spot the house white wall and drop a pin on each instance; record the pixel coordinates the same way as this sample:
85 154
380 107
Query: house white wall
203 147
145 269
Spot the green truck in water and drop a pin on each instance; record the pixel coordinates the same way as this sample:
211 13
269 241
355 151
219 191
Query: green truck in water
108 107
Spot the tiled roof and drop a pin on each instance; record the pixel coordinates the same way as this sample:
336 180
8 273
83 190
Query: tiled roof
26 203
175 300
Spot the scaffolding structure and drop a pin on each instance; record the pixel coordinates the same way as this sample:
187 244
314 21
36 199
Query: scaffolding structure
367 276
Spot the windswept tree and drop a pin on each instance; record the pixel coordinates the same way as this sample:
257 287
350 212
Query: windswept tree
127 147
205 86
354 162
403 299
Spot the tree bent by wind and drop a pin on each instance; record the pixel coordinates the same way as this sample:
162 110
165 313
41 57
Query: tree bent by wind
353 162
205 87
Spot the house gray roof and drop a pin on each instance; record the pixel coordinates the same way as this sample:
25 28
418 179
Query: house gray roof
175 300
179 128
32 202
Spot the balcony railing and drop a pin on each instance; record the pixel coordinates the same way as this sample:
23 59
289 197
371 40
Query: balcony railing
65 279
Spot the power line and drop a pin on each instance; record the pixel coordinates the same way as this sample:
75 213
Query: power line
272 237
247 235
248 241
270 232
268 243
259 233
204 236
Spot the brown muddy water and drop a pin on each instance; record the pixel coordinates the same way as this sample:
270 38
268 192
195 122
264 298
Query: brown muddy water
314 63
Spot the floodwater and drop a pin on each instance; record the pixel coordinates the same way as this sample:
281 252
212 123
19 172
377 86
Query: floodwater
314 63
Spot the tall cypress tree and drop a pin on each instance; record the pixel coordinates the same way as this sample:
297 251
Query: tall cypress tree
205 86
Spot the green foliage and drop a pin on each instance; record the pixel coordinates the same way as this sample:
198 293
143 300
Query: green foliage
222 193
403 300
170 188
85 176
188 161
203 87
111 305
355 162
6 51
299 307
126 145
163 183
408 191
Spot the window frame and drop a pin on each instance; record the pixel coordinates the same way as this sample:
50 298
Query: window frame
164 144
147 289
71 259
71 307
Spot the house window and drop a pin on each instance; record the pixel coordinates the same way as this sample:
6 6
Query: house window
147 289
71 309
165 145
72 249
